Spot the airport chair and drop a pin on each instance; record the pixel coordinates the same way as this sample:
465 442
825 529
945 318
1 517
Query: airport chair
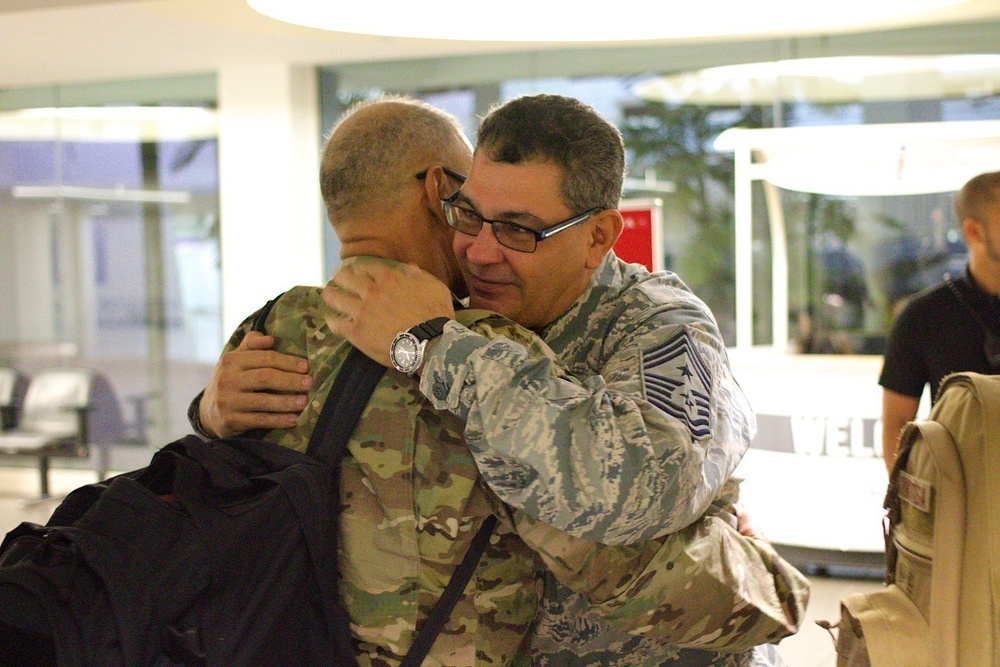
52 420
9 381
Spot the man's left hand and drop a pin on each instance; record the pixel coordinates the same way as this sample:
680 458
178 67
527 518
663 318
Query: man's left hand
373 300
744 524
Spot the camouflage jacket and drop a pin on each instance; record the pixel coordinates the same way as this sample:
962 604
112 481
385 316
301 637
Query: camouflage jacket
705 595
412 502
637 443
412 505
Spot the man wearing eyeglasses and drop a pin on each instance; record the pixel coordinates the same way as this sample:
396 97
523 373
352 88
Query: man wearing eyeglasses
644 441
642 590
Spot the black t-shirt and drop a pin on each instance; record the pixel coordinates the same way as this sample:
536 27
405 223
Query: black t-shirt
935 334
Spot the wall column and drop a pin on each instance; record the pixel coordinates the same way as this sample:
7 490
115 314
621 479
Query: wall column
270 205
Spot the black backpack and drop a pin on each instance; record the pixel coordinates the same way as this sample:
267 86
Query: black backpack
218 553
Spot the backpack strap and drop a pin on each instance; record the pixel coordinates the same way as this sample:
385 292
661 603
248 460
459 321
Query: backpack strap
949 544
351 390
258 322
949 517
449 598
348 397
892 504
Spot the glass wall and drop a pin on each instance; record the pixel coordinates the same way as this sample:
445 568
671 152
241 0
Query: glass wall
109 229
852 258
669 156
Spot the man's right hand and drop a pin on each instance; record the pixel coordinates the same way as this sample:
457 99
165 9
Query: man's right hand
254 387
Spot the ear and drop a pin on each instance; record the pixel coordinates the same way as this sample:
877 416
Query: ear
432 189
605 229
972 230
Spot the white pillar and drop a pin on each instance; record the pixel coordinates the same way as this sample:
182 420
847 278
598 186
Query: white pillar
779 267
270 207
743 215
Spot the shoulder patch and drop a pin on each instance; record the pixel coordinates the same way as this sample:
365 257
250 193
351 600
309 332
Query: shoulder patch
677 380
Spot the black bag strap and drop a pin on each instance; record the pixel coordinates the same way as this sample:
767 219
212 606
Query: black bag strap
348 397
344 404
258 322
351 390
449 598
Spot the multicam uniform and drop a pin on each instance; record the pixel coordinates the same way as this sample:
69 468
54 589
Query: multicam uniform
412 503
704 595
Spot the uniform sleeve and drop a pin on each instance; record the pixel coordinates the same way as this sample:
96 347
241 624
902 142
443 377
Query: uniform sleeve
705 586
636 451
194 409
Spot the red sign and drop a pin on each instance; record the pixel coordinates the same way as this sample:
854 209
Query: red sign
640 242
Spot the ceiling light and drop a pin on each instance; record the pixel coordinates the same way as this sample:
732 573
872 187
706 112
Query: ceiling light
100 194
113 124
830 80
869 160
564 21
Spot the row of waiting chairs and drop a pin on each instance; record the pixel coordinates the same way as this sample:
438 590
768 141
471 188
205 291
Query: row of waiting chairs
49 420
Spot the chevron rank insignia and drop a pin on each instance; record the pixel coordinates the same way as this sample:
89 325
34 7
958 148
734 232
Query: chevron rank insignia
677 380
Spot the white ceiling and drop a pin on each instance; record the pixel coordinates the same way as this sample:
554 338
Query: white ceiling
61 41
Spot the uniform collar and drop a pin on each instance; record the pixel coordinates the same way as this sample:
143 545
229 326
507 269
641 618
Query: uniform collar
571 324
972 291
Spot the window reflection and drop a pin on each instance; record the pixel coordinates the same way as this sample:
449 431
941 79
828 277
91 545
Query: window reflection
851 259
109 224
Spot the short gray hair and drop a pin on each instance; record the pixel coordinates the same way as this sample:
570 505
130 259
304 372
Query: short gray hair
377 147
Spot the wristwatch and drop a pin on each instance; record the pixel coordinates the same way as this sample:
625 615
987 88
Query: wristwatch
407 350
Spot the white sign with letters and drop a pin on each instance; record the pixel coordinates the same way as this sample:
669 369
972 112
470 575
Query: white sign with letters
814 475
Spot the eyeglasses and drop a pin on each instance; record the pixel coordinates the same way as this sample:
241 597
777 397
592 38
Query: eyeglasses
508 234
447 172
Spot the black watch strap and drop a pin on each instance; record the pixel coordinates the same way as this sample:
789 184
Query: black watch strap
430 329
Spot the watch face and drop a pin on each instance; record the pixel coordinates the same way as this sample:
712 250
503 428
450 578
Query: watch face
405 353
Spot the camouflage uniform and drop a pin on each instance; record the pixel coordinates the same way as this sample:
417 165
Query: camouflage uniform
615 606
639 446
657 399
413 501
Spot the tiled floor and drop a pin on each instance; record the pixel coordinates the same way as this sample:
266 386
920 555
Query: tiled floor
811 647
18 485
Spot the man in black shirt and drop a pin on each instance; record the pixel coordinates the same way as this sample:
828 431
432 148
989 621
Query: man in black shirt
953 326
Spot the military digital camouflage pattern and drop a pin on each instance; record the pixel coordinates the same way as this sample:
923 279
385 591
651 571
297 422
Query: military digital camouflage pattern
639 446
703 587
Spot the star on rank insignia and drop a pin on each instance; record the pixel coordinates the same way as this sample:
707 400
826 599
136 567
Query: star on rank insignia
677 380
